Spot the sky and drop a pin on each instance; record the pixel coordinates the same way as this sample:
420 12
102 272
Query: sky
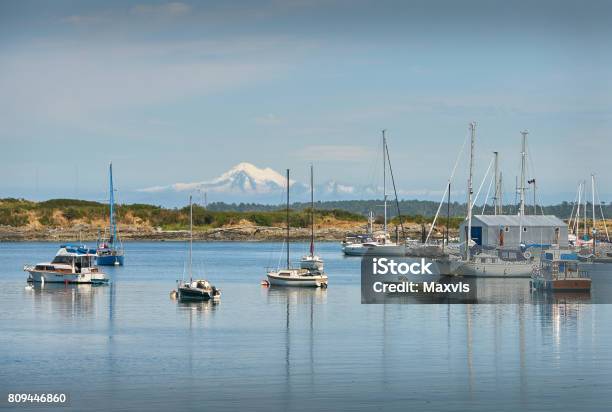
182 91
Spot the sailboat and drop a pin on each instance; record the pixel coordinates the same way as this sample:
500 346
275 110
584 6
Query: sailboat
311 261
381 243
489 264
310 273
196 289
109 251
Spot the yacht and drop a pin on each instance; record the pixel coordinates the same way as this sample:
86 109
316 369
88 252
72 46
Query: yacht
71 264
310 273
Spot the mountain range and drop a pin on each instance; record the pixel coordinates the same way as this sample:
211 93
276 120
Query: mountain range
246 182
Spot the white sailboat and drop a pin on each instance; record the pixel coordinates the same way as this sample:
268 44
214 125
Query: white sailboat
381 244
310 273
489 264
196 289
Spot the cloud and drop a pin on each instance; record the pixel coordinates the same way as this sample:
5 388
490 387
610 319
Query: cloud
164 9
336 153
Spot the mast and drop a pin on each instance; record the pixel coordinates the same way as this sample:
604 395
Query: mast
384 142
311 212
584 210
593 207
523 156
496 195
287 219
577 223
447 214
113 226
500 199
190 240
470 191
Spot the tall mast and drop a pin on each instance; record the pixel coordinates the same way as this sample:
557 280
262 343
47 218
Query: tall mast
311 212
500 199
593 204
113 226
190 240
496 195
287 218
577 222
384 139
523 156
470 190
584 211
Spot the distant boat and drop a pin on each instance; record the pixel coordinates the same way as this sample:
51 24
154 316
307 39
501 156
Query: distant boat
72 264
198 289
310 273
379 244
311 261
109 250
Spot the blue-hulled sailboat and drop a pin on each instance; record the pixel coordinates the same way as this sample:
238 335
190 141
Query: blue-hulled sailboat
109 251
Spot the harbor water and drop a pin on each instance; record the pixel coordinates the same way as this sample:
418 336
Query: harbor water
128 346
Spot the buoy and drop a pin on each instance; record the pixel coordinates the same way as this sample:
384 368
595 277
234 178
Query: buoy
265 283
173 294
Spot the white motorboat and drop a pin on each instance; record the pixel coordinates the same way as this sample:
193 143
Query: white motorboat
72 264
310 273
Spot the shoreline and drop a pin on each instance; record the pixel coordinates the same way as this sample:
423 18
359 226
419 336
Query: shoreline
224 234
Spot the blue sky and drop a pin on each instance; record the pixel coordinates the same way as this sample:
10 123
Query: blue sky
182 91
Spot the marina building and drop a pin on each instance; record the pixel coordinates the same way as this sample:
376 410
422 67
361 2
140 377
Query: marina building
509 231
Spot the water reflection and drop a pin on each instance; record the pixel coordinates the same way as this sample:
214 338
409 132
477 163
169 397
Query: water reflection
67 300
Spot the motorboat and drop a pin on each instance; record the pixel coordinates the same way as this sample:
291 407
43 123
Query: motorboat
71 264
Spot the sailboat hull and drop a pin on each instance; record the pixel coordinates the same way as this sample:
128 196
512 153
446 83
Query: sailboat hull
312 281
496 270
110 260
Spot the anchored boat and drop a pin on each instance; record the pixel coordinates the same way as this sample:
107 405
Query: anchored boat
109 250
72 264
310 273
195 289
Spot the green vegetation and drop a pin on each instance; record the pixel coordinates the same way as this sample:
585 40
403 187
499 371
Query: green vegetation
55 212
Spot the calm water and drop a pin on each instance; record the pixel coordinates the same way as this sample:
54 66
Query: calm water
128 346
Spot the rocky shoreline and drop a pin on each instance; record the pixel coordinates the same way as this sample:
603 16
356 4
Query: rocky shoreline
243 233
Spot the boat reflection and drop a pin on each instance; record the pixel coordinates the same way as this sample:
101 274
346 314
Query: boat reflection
68 300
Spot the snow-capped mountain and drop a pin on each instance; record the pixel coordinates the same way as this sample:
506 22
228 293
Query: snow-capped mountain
246 182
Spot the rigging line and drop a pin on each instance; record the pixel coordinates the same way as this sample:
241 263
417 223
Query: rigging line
602 213
482 183
450 180
399 213
488 193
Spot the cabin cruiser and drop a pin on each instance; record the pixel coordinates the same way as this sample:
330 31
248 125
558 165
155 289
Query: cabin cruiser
72 264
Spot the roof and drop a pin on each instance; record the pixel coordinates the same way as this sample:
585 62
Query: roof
516 220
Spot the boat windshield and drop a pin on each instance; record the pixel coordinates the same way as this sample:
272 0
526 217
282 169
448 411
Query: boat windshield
67 260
